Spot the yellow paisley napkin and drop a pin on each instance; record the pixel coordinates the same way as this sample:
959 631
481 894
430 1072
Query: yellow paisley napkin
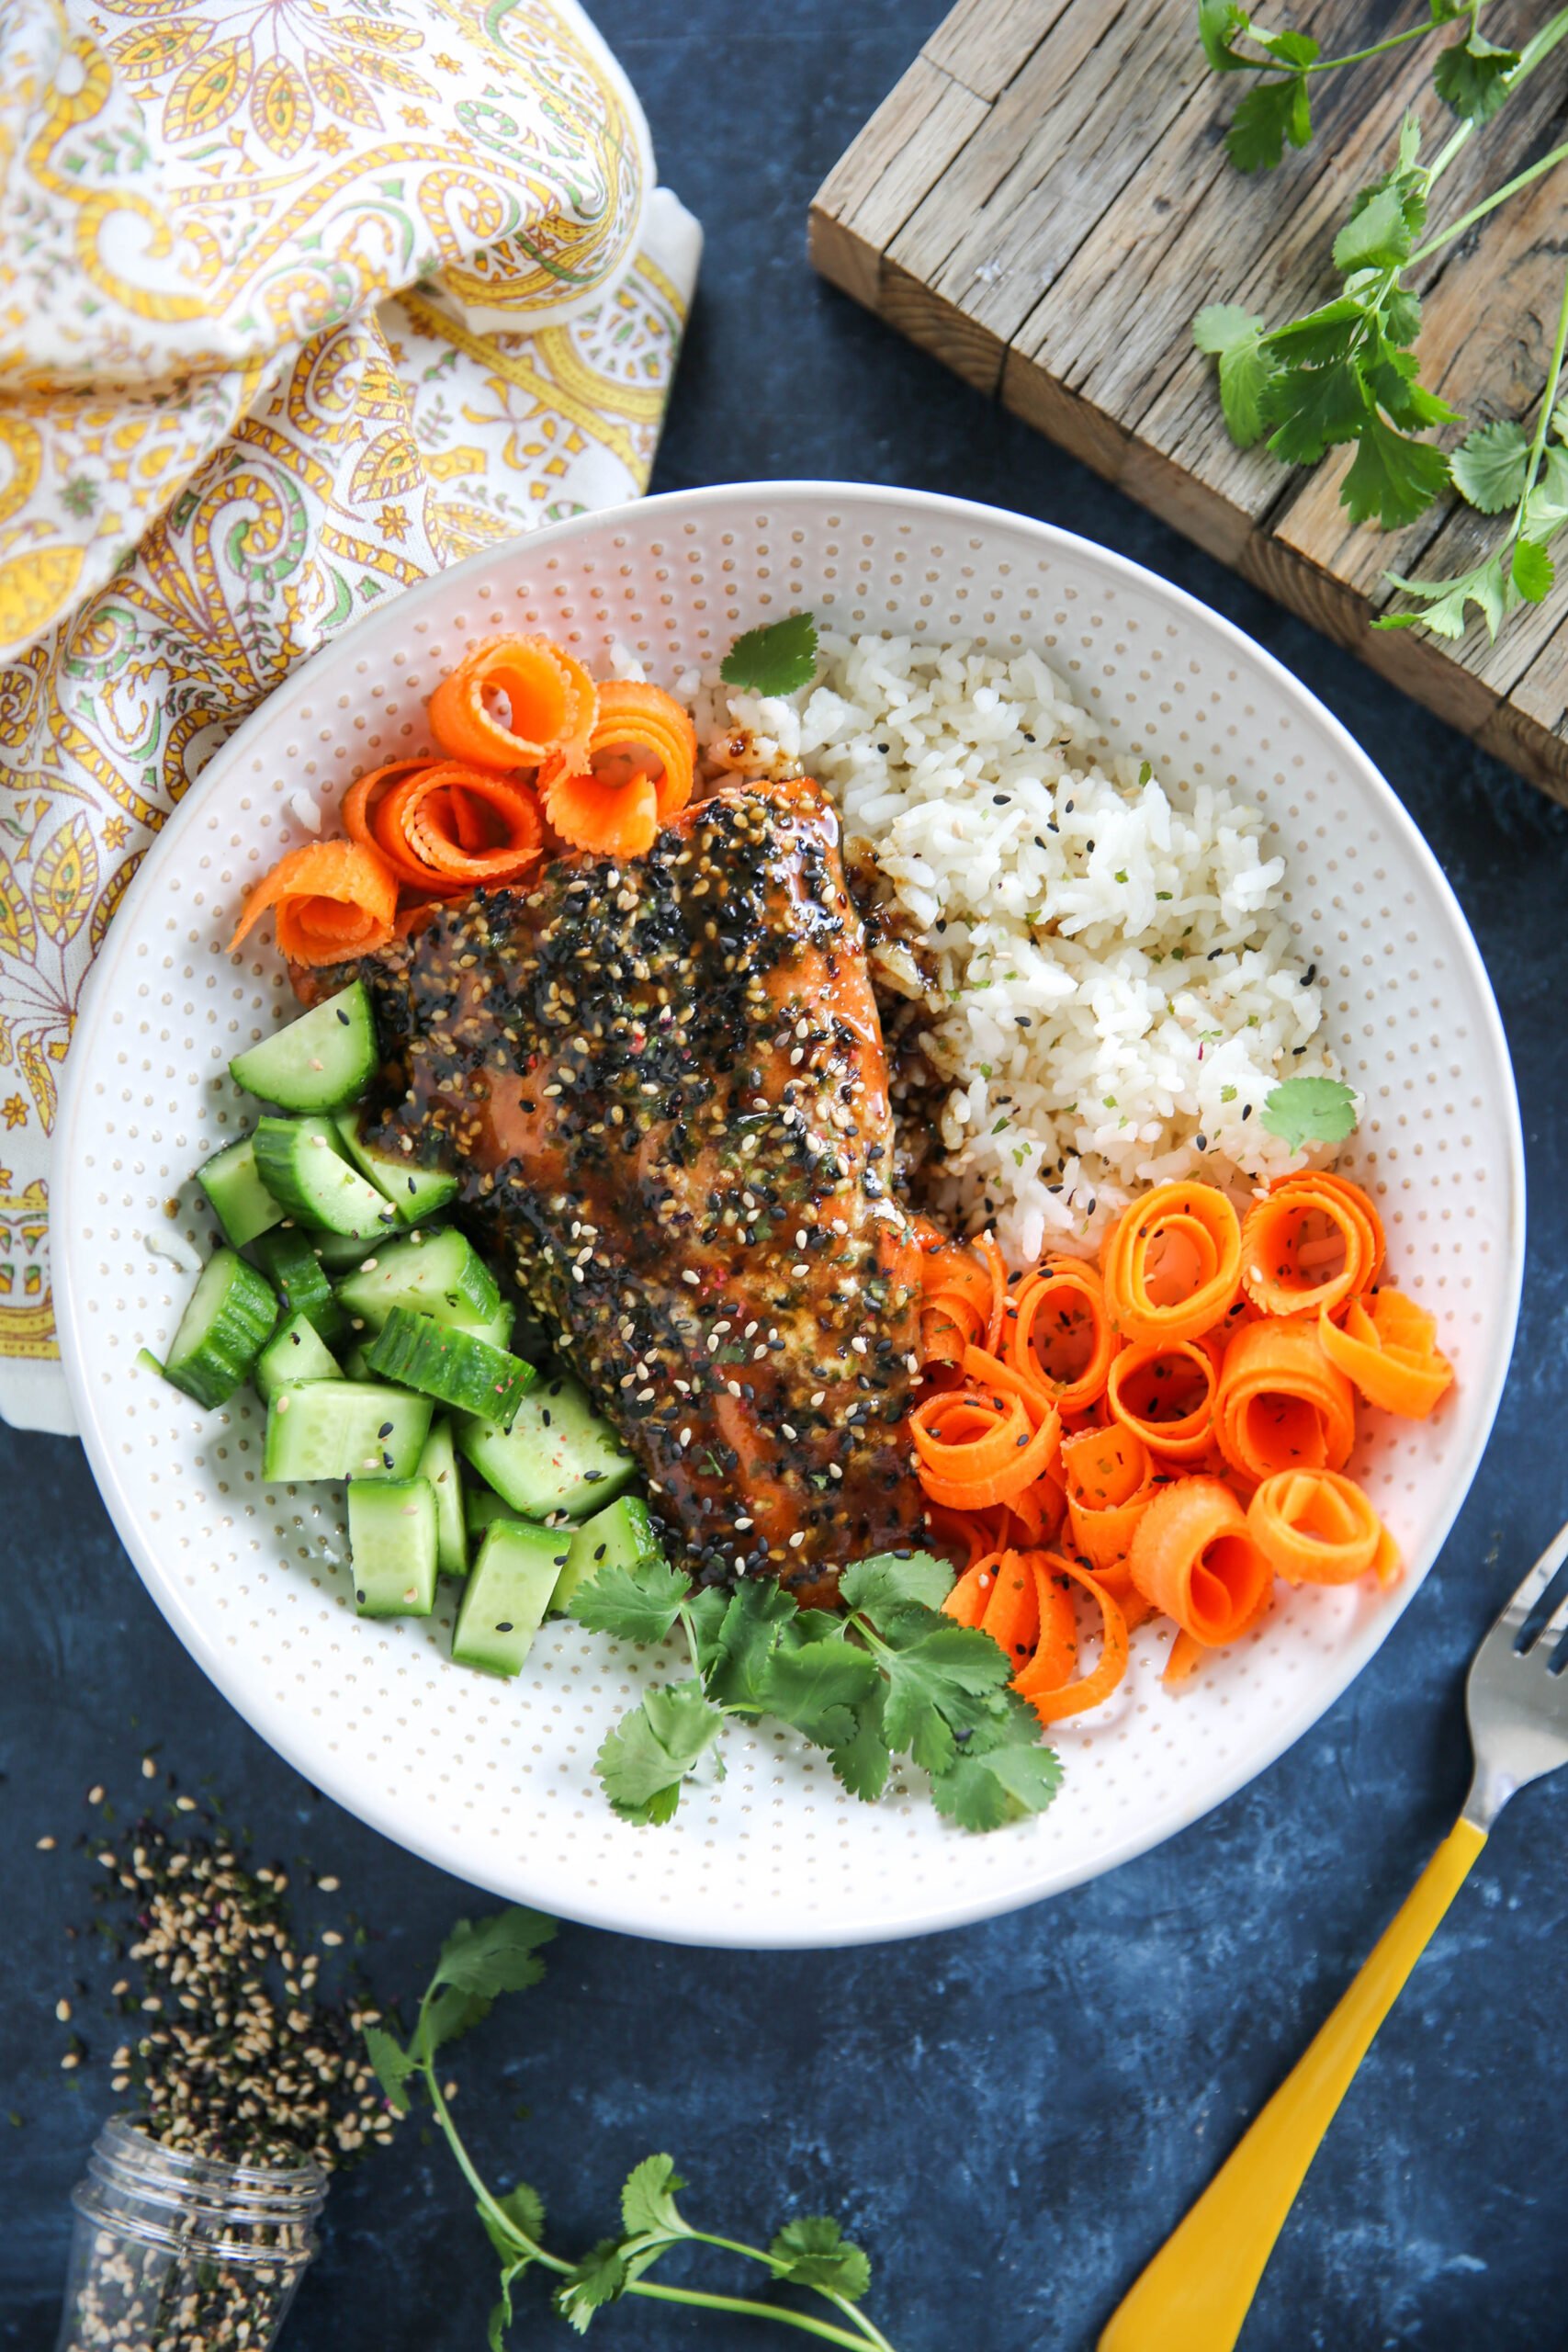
299 301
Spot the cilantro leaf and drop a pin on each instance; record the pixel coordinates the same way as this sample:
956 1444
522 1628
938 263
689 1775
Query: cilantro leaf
987 1788
1533 570
1472 76
863 1762
648 2201
1393 478
451 2013
1446 602
1316 1110
817 1686
1331 332
885 1581
499 1954
1377 236
747 1636
391 2065
775 659
638 1604
650 1752
814 2251
942 1681
599 2278
1402 317
1287 49
1219 23
526 2208
1312 408
1271 113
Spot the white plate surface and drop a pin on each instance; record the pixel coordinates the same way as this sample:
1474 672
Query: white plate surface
493 1780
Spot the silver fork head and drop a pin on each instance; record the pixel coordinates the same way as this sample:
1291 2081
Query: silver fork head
1517 1692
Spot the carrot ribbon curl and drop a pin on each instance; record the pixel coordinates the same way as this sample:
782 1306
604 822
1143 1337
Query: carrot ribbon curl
1391 1353
1172 1262
333 899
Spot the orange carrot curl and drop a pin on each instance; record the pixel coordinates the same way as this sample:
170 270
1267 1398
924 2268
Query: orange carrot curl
1316 1241
1172 1262
1317 1527
1057 1330
1109 1484
635 772
444 828
1281 1403
1195 1558
550 704
1391 1353
333 899
1163 1390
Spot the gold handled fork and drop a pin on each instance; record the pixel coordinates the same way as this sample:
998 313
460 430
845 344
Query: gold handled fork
1197 2290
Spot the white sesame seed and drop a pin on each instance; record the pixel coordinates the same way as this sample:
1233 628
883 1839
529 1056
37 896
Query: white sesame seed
62 2012
283 1403
820 1395
690 1274
46 1845
797 1539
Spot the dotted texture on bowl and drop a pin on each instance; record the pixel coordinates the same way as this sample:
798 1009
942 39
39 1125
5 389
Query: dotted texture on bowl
494 1779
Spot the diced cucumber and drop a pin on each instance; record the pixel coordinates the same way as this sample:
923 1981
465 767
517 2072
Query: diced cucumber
558 1456
222 1330
444 1276
482 1508
414 1191
454 1367
341 1254
323 1058
616 1537
344 1429
302 1162
289 1258
357 1363
295 1352
438 1466
393 1545
507 1593
243 1206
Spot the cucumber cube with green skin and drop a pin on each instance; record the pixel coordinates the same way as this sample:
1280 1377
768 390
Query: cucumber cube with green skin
438 1466
455 1367
444 1276
414 1191
616 1537
558 1454
239 1200
325 1057
344 1429
222 1331
394 1546
506 1595
289 1260
295 1352
482 1508
302 1163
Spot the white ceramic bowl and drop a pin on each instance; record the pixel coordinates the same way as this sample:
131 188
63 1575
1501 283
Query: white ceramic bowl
492 1779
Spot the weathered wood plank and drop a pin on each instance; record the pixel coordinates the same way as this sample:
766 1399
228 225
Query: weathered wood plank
1044 202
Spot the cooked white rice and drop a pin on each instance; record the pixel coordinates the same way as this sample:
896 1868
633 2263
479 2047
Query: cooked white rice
1118 987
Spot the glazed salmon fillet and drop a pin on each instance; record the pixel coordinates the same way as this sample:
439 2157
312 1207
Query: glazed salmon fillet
662 1083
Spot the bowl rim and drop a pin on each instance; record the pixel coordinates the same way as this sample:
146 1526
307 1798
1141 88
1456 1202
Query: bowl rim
272 1721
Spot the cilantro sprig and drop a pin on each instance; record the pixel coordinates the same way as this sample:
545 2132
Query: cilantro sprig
891 1676
1346 373
777 658
1470 73
1497 466
478 1961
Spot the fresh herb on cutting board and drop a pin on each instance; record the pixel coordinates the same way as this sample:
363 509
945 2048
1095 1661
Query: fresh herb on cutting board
478 1961
1346 373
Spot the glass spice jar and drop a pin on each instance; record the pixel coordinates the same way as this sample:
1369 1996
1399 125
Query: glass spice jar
178 2253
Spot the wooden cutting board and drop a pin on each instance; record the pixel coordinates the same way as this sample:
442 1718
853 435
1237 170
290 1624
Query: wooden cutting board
1044 202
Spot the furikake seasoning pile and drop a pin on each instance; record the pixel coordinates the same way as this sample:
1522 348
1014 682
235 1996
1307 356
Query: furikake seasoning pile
237 2054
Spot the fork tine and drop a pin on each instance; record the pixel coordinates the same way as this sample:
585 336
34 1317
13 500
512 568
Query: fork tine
1543 1609
1523 1602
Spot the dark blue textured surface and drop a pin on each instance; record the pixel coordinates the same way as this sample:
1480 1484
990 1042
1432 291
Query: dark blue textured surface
1011 2117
